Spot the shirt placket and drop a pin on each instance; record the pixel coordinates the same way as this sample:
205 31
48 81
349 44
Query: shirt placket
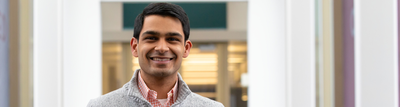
153 98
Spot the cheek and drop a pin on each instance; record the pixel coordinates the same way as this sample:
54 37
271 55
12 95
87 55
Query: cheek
142 51
179 51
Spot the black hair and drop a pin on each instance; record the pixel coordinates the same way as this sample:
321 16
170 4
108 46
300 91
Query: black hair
163 9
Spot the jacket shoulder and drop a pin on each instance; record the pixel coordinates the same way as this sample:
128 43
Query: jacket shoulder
200 101
111 99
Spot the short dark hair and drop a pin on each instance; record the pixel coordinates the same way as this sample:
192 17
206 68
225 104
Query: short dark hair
163 9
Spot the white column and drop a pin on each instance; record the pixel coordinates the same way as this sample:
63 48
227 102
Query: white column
301 53
81 52
266 53
66 52
47 71
376 53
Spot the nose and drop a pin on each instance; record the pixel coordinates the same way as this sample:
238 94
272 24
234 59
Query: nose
162 46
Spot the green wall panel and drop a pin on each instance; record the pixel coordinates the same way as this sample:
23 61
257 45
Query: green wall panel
201 15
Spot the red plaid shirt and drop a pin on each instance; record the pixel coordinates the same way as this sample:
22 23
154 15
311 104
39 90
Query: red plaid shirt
151 95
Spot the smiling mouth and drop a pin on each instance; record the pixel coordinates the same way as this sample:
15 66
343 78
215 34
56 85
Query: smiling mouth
161 59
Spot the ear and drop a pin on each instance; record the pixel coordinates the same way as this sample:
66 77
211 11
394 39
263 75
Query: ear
188 46
134 47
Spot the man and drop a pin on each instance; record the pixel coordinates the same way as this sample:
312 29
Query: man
160 42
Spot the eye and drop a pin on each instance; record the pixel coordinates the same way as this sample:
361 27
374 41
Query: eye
150 38
172 39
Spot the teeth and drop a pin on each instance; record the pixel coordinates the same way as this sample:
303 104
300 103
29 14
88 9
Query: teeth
160 59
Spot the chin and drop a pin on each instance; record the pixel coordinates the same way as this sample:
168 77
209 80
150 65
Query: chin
162 72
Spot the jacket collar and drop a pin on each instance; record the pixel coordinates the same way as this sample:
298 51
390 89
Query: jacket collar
133 90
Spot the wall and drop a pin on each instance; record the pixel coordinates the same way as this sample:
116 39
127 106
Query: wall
237 25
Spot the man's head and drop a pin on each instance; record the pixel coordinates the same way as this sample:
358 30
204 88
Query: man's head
161 39
162 9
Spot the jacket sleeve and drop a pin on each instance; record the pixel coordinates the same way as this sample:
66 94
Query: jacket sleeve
92 103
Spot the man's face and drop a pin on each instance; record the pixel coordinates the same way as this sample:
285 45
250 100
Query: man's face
161 46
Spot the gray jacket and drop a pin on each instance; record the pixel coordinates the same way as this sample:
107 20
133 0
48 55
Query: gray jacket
129 96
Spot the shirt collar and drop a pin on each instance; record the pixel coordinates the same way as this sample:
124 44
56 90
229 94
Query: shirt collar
144 90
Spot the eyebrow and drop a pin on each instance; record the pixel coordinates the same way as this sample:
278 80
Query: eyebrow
174 34
158 33
151 33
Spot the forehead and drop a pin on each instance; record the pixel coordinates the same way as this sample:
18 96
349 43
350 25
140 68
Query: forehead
162 25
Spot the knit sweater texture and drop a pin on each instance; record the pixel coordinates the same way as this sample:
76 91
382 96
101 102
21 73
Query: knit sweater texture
129 96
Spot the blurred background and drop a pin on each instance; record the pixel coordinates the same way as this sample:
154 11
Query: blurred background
279 53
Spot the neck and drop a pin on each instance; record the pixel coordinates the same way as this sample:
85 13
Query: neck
162 85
